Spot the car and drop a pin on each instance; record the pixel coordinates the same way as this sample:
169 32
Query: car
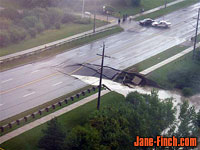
163 24
146 22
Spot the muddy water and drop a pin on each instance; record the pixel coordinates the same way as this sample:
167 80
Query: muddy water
163 94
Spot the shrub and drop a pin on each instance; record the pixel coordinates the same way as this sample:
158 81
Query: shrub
68 18
4 39
12 14
187 92
5 23
83 21
57 25
32 32
40 27
17 34
29 22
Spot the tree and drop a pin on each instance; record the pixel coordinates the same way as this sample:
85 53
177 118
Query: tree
53 138
17 34
5 23
151 115
113 126
4 38
29 21
39 3
10 13
187 118
136 2
83 138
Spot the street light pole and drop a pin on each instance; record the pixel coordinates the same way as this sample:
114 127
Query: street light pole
100 80
195 39
83 8
165 3
94 27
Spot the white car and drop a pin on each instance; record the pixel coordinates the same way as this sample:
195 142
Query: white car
163 24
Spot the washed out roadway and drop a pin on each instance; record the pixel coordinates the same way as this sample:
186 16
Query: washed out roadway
31 85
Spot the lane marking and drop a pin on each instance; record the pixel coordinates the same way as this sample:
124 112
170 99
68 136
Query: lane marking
29 94
1 105
57 84
35 71
29 83
7 80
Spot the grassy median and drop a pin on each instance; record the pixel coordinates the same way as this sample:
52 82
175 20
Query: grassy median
168 10
78 116
57 50
50 35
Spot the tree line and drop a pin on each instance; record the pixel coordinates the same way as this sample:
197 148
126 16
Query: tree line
115 127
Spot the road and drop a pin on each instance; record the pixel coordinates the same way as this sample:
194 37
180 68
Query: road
31 85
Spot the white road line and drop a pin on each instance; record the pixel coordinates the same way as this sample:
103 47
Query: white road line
7 80
57 83
29 94
1 104
35 71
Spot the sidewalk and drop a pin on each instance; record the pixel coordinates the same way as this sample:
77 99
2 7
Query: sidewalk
44 119
157 8
149 70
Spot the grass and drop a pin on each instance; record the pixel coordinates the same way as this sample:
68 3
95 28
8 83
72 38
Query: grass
157 58
146 4
78 116
169 9
57 50
184 63
48 36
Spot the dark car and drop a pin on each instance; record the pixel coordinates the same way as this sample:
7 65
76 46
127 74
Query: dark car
146 22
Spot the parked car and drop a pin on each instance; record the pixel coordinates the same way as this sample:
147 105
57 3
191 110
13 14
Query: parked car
163 24
146 22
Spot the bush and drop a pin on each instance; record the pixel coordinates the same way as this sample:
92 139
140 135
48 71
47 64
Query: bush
40 27
17 34
83 21
4 39
5 23
187 92
136 2
57 25
29 22
68 18
12 14
32 32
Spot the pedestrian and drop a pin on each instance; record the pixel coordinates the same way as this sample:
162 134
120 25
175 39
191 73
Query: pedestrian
119 21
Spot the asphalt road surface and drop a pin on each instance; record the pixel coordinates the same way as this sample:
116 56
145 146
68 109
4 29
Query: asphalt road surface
31 85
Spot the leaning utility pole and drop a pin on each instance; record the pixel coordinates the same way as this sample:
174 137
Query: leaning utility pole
100 81
195 38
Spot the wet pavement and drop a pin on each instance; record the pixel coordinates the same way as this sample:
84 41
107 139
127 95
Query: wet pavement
31 85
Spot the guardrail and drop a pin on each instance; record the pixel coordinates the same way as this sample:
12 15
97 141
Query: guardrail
22 121
45 47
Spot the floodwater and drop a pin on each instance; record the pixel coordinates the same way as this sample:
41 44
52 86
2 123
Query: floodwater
124 90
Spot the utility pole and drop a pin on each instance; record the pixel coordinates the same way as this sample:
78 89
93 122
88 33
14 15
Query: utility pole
94 27
165 3
100 81
83 8
195 39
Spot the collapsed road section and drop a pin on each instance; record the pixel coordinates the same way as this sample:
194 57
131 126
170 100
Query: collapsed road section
124 77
